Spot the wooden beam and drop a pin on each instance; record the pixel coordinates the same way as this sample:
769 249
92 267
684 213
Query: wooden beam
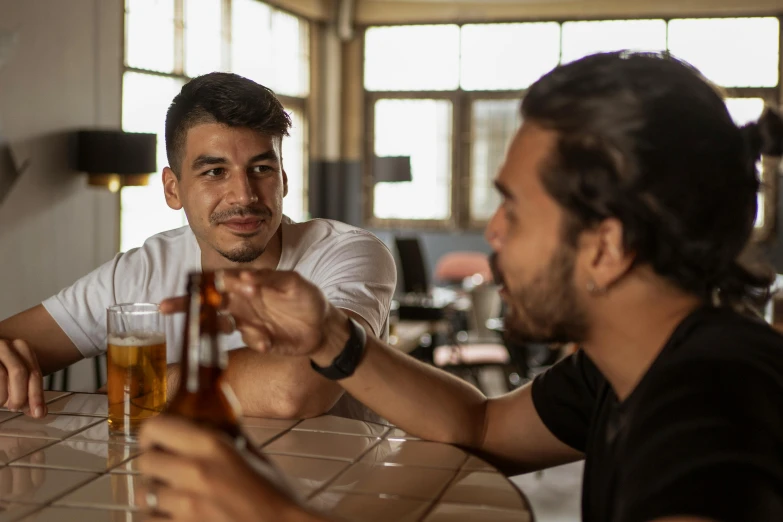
380 12
319 10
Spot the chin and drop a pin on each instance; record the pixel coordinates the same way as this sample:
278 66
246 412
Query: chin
244 251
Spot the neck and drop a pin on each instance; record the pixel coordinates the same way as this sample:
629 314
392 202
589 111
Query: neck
212 260
630 327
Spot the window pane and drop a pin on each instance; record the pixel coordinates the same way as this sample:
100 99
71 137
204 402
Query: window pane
487 63
410 58
294 162
203 36
251 37
145 100
149 34
744 111
422 130
494 124
584 38
291 56
732 52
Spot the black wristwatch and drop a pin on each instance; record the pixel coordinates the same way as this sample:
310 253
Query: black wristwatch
345 364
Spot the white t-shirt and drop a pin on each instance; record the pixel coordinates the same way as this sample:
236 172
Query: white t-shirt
351 266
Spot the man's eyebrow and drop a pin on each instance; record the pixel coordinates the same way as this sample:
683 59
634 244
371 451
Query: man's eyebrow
204 160
269 155
500 187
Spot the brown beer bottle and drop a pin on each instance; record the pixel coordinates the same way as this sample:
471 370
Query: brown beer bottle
203 394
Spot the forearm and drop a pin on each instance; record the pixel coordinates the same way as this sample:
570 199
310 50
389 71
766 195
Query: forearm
272 387
279 387
420 399
53 348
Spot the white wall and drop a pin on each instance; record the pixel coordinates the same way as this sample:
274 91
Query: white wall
63 74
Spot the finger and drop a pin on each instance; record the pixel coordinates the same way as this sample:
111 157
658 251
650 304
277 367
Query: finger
35 398
174 305
3 385
6 481
22 481
249 282
38 459
255 337
169 433
226 322
17 377
168 468
37 476
171 503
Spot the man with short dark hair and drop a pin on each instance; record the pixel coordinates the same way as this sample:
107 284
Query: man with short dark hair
629 196
223 138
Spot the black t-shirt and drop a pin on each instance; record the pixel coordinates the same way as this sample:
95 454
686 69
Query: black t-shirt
701 435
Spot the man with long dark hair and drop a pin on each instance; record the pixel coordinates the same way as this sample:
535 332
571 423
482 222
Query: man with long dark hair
629 198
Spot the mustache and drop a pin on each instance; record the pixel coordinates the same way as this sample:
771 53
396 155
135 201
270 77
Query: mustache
224 215
497 275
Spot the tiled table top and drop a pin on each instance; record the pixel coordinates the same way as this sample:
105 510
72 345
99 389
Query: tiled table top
67 467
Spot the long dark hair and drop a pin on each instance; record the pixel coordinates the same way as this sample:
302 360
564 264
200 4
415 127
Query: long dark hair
645 139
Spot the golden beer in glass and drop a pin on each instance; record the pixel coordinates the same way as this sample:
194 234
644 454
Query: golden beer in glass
136 365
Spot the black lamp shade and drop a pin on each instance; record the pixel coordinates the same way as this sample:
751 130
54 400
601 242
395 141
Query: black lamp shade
391 169
114 152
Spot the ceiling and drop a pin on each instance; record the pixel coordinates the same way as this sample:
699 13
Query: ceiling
463 1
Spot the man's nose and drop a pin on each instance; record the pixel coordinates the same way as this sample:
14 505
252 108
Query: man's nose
241 190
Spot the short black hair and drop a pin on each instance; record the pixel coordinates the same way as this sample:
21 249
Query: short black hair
224 98
644 138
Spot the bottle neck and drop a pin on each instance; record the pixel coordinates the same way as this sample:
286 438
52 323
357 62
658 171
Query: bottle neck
203 359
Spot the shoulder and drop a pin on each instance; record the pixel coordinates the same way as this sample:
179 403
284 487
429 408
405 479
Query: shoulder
178 242
706 425
164 242
326 236
730 367
723 341
158 267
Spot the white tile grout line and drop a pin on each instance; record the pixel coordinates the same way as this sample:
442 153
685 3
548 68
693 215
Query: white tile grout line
97 475
350 465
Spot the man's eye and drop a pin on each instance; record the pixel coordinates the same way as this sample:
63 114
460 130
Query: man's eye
262 169
213 172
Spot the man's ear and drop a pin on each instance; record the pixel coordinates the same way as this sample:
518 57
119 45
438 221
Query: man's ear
285 183
171 189
609 259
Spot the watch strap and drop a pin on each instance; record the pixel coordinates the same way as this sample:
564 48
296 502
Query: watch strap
349 358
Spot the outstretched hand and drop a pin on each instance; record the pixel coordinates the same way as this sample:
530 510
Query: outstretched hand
278 312
195 474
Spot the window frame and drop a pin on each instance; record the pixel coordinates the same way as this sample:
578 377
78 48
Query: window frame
461 218
368 179
301 105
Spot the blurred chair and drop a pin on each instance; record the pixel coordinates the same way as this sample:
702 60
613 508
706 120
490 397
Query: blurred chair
455 267
412 266
99 365
468 353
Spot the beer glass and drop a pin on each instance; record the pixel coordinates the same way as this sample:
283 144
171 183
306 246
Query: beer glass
136 365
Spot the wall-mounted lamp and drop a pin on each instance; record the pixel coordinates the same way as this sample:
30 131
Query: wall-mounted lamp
114 159
391 169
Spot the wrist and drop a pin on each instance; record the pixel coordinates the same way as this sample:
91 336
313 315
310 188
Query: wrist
335 334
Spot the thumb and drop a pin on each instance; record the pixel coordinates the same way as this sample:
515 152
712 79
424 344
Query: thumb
174 305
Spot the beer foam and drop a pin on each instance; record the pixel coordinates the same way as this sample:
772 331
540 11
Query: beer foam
136 338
